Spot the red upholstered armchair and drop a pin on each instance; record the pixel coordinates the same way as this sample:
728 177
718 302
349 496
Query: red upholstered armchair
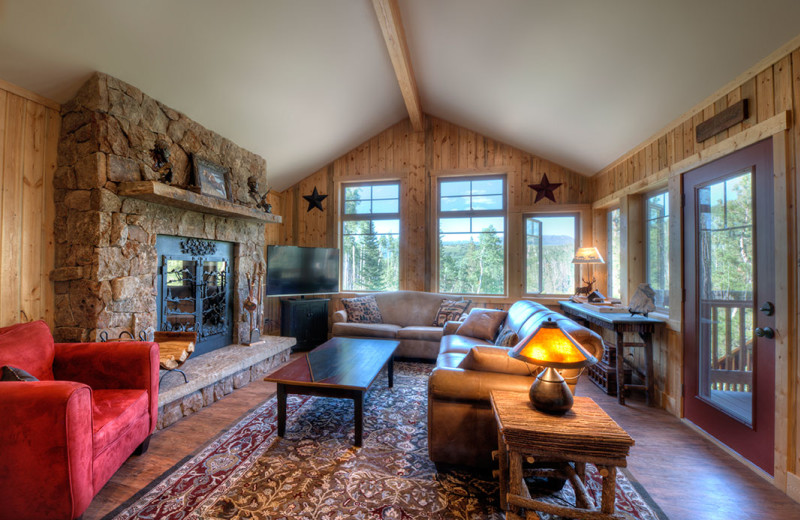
62 437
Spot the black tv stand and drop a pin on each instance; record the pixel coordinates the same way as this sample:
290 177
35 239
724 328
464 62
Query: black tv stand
305 319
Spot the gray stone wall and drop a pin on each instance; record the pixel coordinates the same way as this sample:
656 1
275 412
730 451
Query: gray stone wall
105 276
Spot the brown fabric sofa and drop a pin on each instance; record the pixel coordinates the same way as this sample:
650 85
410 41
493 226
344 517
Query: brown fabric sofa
407 316
461 426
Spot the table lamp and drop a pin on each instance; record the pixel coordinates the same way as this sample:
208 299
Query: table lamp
550 347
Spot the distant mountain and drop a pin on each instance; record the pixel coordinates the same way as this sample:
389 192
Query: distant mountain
558 240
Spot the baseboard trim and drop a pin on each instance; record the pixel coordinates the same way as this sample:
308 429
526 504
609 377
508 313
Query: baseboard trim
752 467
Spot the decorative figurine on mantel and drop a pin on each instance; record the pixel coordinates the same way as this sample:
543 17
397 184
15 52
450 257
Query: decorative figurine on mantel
261 200
643 301
161 164
253 303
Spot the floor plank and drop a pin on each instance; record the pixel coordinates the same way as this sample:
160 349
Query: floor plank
688 476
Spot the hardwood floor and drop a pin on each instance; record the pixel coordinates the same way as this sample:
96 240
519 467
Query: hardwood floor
688 476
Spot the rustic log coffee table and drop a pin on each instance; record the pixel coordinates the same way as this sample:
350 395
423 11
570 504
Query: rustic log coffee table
341 367
562 443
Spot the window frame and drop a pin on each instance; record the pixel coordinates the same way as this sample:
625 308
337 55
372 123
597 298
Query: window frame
349 217
576 267
502 212
647 220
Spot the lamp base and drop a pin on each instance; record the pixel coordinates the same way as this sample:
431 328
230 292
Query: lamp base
550 394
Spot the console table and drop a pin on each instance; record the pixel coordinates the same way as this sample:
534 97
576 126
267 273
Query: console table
620 323
563 443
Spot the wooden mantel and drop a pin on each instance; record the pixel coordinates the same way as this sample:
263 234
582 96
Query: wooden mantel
160 193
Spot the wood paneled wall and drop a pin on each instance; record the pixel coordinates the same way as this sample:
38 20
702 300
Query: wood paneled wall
772 88
417 159
29 129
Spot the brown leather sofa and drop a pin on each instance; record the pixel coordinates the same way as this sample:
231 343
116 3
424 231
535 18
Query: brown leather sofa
407 316
461 426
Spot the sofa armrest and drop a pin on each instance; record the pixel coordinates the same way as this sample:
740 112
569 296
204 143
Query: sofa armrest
455 384
340 316
112 365
450 327
46 447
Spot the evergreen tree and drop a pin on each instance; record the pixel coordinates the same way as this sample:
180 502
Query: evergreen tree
371 273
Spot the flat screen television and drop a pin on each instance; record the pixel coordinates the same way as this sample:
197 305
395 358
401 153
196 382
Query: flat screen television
293 270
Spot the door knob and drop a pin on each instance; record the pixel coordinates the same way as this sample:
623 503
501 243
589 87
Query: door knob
766 332
768 308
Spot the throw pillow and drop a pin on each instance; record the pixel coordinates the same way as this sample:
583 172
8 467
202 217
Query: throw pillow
506 338
363 309
495 359
15 374
450 310
482 324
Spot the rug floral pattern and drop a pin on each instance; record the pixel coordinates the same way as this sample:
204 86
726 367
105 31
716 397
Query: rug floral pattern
316 473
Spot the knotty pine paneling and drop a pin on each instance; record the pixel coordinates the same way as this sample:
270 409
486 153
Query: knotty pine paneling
29 129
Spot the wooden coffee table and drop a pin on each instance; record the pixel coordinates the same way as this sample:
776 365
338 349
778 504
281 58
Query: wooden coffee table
341 367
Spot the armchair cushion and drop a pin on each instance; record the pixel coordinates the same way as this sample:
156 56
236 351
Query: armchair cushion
114 413
28 346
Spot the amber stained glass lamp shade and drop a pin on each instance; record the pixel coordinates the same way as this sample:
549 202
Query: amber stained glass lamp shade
550 347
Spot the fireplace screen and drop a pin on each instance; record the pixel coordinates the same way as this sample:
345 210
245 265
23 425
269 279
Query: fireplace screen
194 290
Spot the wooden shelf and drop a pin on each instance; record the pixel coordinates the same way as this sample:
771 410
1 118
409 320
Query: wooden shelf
159 193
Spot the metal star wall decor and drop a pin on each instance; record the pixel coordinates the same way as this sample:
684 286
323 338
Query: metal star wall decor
544 189
314 200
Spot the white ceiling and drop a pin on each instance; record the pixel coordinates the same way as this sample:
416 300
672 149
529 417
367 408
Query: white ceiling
301 82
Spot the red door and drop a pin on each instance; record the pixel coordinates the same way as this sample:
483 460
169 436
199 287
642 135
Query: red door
729 356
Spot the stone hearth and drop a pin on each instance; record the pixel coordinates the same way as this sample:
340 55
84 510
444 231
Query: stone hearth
106 261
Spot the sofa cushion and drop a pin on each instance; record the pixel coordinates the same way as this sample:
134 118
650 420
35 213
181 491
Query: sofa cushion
482 324
28 346
15 374
450 359
421 333
456 343
496 359
114 412
367 330
407 308
363 309
450 310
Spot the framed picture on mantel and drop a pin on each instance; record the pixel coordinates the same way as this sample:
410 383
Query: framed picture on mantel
212 179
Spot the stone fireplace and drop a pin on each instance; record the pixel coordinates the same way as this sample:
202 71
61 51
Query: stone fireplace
107 264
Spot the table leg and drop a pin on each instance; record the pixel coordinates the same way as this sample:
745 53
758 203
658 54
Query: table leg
358 401
647 338
620 368
281 410
608 499
580 470
515 478
502 459
390 369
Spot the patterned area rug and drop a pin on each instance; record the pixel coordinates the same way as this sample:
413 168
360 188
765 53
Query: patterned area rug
316 473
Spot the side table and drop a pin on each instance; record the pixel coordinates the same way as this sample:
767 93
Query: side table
620 323
566 443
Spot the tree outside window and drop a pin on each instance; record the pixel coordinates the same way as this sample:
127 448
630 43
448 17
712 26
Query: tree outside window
550 245
657 247
613 262
472 224
371 237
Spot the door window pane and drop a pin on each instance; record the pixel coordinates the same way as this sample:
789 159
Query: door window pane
725 283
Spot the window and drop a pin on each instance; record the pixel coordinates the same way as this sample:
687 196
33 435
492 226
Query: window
550 245
614 257
371 236
472 224
657 247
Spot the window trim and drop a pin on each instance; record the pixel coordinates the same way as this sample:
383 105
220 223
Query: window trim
647 220
349 217
502 212
576 267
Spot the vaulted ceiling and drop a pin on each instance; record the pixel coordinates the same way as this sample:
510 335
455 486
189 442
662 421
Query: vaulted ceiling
301 82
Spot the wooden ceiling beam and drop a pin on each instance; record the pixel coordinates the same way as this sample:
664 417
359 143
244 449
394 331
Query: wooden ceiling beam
388 13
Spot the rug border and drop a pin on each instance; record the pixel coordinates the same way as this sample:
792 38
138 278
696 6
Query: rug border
156 481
